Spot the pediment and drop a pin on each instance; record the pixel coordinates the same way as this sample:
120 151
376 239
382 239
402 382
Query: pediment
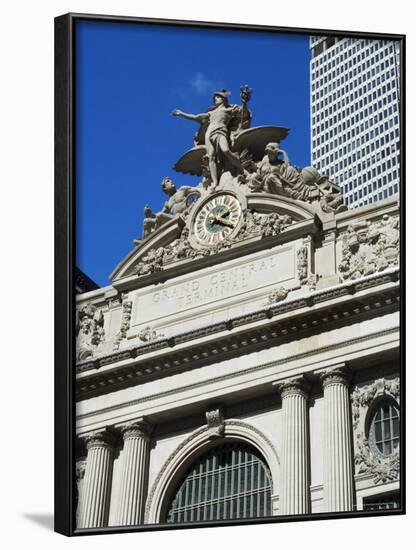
266 217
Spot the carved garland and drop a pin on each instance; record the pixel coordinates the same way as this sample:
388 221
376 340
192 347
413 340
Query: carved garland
303 257
302 264
89 330
382 469
125 324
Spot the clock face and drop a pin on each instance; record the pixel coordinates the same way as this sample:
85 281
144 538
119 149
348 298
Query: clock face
217 219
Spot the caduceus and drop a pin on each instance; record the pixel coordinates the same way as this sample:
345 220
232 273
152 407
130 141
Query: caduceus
245 96
245 93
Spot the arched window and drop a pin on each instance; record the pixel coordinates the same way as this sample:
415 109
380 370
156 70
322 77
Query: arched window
228 482
384 430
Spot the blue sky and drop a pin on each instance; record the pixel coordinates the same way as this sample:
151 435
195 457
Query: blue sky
129 78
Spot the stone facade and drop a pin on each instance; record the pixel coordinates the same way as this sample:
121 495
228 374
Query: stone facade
283 334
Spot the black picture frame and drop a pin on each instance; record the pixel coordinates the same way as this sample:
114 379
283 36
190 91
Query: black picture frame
65 245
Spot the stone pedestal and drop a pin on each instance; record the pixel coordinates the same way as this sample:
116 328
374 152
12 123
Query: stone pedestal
294 479
135 472
95 494
338 468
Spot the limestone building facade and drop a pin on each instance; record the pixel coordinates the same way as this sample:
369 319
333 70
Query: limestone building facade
244 362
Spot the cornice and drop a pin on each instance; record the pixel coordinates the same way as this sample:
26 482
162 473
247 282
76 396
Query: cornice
239 335
230 376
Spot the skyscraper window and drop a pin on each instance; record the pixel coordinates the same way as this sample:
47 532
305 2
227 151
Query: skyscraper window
357 78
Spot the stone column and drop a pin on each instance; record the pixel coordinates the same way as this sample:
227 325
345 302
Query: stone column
133 491
95 494
338 470
294 478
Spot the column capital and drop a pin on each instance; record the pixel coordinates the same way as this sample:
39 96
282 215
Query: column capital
139 428
293 386
338 374
99 438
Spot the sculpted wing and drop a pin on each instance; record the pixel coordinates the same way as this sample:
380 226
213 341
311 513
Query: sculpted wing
191 161
256 139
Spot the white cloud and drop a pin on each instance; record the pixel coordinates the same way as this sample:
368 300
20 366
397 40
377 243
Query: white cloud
201 84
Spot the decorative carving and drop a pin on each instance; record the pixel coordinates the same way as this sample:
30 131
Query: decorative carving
272 224
90 331
178 204
149 334
335 376
102 438
215 422
262 225
152 262
255 224
181 249
361 398
312 281
302 263
277 176
295 386
125 323
138 429
80 470
278 295
381 468
370 247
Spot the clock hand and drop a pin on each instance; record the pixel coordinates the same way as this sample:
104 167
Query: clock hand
222 221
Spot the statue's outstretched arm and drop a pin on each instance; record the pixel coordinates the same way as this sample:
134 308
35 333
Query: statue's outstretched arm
148 212
196 118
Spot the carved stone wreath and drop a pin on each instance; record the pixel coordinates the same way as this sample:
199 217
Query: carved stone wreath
148 334
277 295
381 469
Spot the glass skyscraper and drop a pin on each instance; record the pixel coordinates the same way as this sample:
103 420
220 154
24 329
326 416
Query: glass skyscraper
355 101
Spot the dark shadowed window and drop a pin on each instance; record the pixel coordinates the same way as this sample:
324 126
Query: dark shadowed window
229 482
389 501
384 429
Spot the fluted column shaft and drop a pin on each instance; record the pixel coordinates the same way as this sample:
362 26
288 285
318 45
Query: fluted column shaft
135 473
95 496
338 470
294 482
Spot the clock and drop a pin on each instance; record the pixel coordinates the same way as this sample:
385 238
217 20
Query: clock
217 218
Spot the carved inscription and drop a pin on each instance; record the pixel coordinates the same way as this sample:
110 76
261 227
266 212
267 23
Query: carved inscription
173 298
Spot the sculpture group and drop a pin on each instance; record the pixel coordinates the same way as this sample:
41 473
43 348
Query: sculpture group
225 146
